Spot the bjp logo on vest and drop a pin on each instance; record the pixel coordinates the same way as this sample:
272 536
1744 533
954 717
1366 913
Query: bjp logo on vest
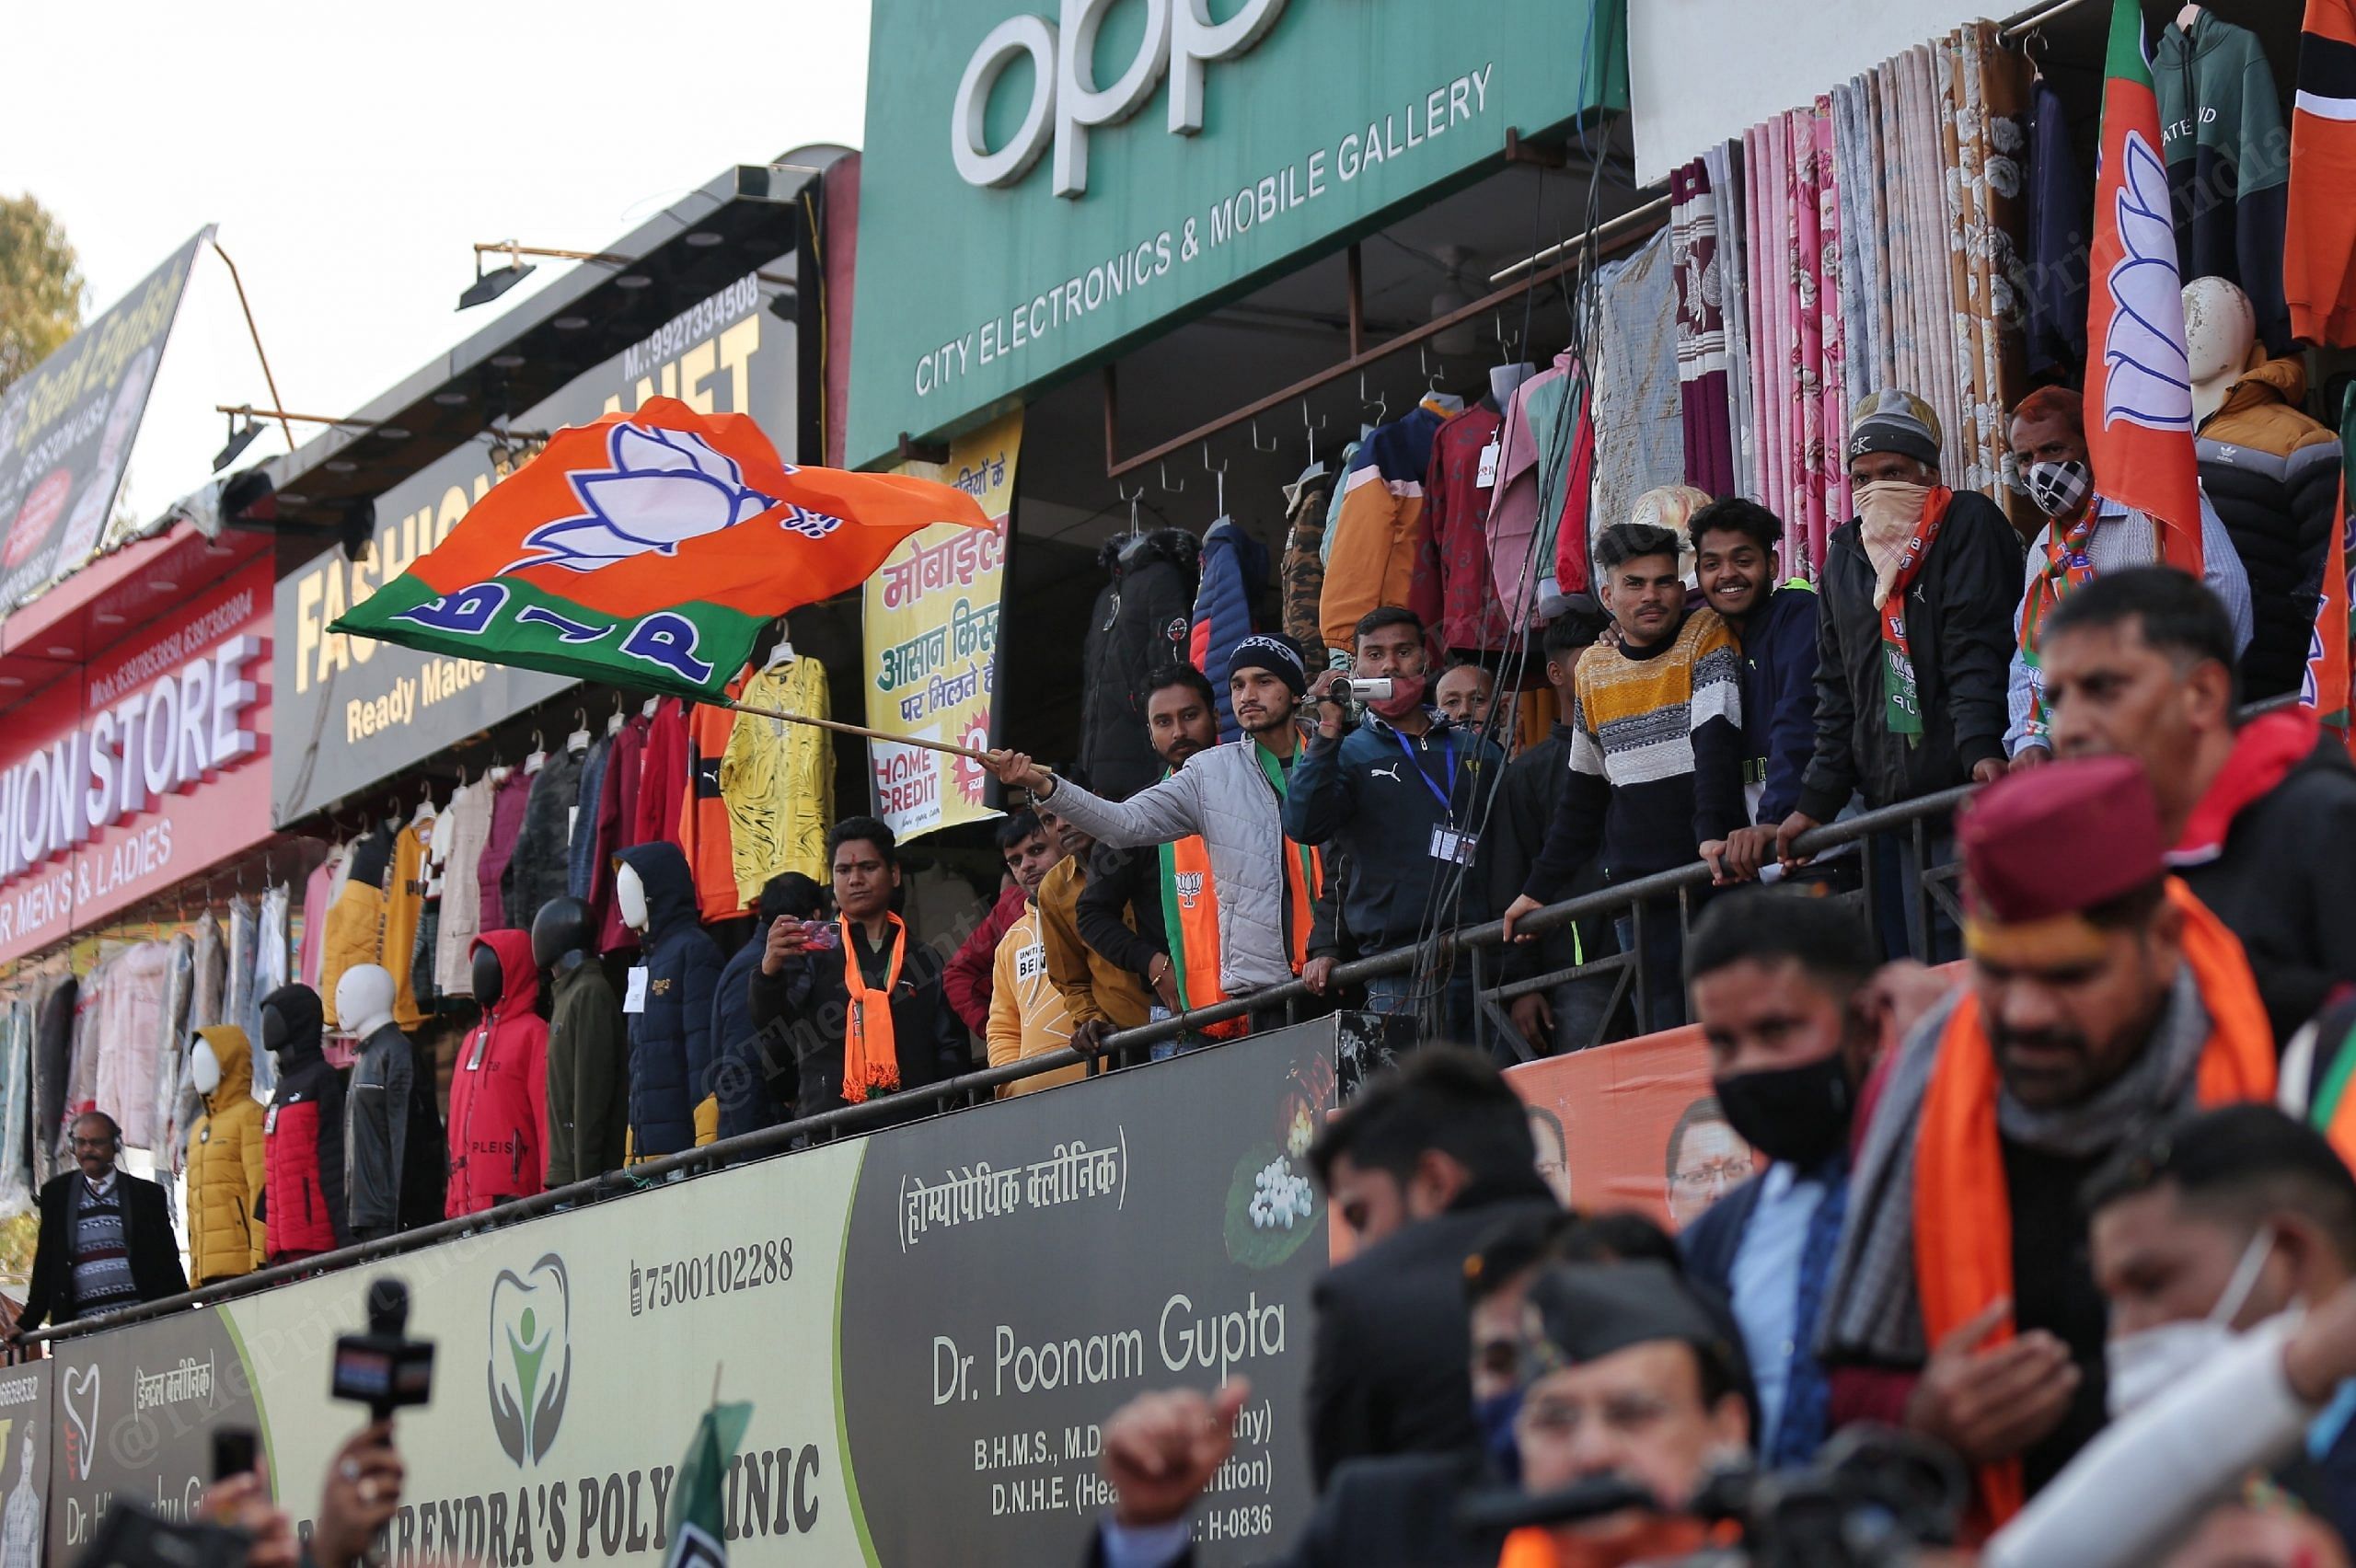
1189 888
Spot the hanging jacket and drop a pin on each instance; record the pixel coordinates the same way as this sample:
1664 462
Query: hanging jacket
588 1075
672 1105
704 827
539 867
169 1135
2229 166
2272 474
355 932
126 1042
499 1089
52 1067
2054 281
777 780
2319 249
319 893
1142 620
509 801
1235 573
662 777
1534 447
580 849
1457 503
404 913
227 1167
393 1150
1373 544
270 958
304 1200
617 808
1301 571
463 827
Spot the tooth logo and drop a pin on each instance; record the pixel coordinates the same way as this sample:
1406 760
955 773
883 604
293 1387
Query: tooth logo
530 1367
81 1419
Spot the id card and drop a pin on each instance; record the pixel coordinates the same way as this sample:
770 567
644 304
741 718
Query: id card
635 994
1454 847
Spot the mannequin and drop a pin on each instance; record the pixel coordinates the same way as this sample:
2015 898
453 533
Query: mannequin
227 1163
499 1093
588 1047
390 1122
303 1198
673 1104
2271 472
1505 380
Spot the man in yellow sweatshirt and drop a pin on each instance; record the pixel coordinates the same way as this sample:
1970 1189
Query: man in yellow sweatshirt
1027 1015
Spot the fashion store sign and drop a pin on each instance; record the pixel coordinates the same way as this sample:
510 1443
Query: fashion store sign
138 772
1322 118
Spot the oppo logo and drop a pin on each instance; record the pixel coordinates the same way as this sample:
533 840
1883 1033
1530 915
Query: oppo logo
1065 103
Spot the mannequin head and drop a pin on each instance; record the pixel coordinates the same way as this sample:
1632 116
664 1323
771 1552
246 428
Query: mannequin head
490 978
629 894
559 930
290 1019
2220 331
363 1000
204 1067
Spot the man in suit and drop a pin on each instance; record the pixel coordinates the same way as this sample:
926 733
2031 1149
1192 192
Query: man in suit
1431 1158
106 1236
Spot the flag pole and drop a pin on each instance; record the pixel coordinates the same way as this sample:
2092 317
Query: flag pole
842 729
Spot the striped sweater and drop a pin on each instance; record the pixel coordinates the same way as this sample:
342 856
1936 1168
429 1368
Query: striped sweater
1656 757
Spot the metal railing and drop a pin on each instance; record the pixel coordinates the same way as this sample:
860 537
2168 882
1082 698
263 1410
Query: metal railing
1294 998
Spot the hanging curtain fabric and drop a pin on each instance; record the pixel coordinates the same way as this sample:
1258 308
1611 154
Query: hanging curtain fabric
1990 95
169 1140
1722 165
270 972
1639 435
1701 370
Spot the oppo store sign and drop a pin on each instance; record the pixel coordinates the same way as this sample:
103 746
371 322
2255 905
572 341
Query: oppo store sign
1067 103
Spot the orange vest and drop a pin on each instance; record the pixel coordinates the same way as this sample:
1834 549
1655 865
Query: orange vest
1963 1212
1190 916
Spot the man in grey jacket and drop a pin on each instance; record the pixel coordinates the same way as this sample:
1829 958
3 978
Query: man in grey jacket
1232 796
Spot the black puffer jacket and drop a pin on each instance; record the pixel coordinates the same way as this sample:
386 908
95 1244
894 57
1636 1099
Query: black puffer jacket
1140 623
2279 510
671 1103
1959 627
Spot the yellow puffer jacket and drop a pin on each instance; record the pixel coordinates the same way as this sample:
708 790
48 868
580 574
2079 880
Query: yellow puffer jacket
224 1168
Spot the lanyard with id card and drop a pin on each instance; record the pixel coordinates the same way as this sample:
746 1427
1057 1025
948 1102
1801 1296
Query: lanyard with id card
1450 842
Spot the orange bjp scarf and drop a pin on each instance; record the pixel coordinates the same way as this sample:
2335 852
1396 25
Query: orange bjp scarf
870 1054
1963 1222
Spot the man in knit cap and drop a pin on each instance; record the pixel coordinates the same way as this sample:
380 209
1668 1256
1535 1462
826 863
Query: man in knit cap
1914 638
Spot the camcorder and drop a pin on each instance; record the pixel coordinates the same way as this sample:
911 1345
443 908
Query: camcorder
384 1368
1355 692
1875 1498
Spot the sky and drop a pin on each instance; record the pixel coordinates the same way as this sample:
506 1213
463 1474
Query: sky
352 154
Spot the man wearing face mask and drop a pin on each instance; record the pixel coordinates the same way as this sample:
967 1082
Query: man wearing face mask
1780 987
1913 629
1403 797
2101 996
2225 1243
2088 535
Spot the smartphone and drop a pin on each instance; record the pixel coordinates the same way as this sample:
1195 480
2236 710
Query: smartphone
821 934
234 1451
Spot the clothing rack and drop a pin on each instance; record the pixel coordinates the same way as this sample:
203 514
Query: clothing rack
1622 233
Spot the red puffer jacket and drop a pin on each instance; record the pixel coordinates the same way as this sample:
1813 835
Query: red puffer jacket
499 1092
303 1200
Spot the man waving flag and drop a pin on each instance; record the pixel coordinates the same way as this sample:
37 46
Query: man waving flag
648 550
2139 380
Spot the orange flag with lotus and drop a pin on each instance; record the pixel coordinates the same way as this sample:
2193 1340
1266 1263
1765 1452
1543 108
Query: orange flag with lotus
647 550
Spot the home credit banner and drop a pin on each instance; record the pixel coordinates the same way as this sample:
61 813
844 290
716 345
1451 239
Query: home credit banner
931 1324
147 768
932 628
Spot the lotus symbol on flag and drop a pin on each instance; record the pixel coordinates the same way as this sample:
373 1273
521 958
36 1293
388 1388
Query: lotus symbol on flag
2148 378
531 1357
666 486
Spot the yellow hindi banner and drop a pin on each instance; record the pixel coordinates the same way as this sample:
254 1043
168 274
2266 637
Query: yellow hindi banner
931 623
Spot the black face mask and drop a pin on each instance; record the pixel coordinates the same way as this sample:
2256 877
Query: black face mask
491 980
1797 1115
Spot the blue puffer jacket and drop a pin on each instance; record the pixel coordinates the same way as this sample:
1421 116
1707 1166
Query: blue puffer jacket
1235 574
671 1103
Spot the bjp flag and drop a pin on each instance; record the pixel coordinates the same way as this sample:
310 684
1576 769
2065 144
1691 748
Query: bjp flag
2328 651
647 550
2138 379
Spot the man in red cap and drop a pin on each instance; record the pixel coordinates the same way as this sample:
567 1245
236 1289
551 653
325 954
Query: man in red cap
2101 996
